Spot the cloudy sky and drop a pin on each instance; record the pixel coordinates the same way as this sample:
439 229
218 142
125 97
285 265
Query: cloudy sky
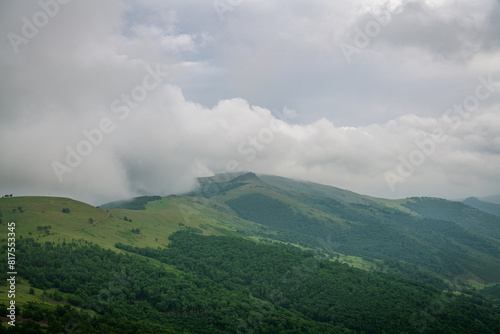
104 100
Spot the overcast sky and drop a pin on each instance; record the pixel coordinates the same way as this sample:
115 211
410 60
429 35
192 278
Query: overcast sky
105 100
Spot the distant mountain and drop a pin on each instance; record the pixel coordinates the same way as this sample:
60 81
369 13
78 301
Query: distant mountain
488 207
492 199
466 216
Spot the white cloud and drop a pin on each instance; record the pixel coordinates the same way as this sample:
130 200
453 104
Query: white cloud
347 125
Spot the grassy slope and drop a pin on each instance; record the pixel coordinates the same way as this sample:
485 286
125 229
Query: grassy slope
161 219
335 193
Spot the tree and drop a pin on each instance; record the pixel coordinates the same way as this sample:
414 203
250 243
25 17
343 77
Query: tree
32 291
66 210
57 296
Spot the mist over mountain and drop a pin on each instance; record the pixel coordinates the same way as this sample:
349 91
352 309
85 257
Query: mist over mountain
255 166
492 199
153 95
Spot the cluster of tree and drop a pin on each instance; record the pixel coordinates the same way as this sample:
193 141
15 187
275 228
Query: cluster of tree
321 290
227 284
65 319
492 293
137 203
19 209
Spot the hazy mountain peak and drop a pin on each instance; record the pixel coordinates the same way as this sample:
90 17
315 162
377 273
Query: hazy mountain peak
247 178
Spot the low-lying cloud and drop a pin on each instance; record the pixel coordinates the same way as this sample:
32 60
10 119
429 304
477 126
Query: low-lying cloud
57 90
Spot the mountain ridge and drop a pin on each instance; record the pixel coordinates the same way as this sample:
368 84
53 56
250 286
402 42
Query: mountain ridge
306 214
485 206
228 238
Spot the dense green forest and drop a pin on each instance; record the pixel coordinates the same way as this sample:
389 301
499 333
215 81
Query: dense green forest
136 203
231 285
492 293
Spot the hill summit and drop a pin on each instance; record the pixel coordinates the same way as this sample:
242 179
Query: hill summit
247 177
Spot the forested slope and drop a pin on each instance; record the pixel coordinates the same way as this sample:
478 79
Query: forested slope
229 285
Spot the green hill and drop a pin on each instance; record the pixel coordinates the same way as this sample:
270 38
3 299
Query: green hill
491 199
466 216
43 219
430 233
488 207
254 253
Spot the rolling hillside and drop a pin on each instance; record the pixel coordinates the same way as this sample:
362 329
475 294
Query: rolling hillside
448 238
492 208
425 236
235 255
42 218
